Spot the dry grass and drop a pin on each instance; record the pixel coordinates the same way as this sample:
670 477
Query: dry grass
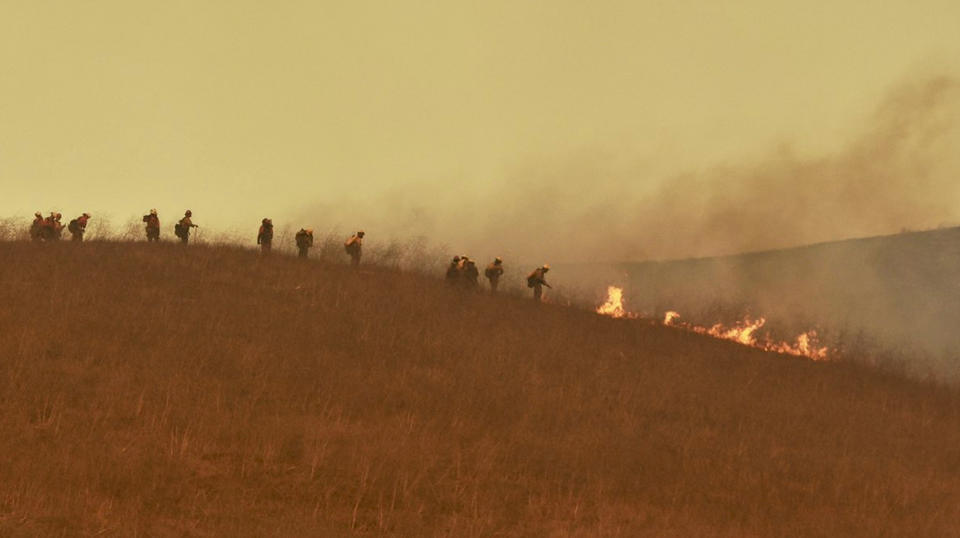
152 390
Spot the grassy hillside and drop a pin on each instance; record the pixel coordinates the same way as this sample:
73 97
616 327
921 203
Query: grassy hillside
152 390
892 297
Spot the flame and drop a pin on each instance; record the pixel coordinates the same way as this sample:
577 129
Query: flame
744 332
614 305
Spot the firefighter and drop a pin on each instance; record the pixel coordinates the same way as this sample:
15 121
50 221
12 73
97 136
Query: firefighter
182 228
453 271
78 227
153 226
265 236
52 228
354 247
304 240
36 229
536 280
493 272
469 275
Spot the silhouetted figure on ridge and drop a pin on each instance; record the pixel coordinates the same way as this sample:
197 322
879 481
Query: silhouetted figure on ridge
265 236
304 239
354 247
152 228
182 228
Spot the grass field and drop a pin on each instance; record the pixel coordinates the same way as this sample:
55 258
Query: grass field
154 390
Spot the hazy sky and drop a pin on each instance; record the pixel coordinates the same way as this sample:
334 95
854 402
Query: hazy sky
418 117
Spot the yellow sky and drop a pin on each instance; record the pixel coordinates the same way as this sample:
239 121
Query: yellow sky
242 109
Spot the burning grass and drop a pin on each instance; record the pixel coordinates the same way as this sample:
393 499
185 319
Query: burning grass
165 391
745 332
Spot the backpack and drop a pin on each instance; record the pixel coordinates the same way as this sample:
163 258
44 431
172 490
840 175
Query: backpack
532 280
178 230
74 226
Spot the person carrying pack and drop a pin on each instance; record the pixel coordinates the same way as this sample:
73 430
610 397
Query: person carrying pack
153 226
182 229
78 226
536 281
469 275
304 239
493 272
354 247
453 271
52 229
265 236
36 229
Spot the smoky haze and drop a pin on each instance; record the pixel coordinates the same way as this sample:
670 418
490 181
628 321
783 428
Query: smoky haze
898 172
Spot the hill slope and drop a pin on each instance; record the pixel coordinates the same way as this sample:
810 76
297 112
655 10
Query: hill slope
895 295
162 391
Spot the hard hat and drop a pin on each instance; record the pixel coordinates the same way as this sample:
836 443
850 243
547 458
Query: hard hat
153 211
498 259
266 221
546 266
360 233
456 258
37 214
58 215
309 231
86 215
189 213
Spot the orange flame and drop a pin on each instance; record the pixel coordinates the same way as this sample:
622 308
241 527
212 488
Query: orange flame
614 305
806 344
744 332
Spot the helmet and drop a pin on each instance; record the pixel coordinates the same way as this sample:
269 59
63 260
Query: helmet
456 258
58 215
360 233
86 215
546 267
153 211
189 213
309 231
38 215
266 221
498 260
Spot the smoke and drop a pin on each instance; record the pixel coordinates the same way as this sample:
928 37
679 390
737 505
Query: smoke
898 173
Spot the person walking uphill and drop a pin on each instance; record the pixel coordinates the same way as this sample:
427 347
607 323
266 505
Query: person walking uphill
493 272
536 281
354 247
153 226
265 236
453 271
36 229
469 275
182 228
304 240
52 229
78 227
